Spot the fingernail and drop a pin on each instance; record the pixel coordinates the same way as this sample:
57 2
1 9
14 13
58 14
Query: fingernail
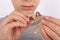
27 19
46 17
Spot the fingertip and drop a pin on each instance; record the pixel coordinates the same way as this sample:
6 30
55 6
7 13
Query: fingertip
28 20
46 17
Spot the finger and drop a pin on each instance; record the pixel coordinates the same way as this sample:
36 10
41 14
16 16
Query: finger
52 26
54 20
12 18
17 33
50 33
44 33
25 16
14 24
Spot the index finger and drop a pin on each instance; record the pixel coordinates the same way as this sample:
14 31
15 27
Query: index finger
53 20
23 15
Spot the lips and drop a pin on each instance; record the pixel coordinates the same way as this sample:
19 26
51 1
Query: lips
27 7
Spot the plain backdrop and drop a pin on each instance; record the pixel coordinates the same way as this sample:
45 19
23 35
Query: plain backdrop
46 7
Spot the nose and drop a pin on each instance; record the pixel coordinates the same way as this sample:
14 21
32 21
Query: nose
27 0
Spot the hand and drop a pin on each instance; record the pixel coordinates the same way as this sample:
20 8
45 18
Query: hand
12 27
50 28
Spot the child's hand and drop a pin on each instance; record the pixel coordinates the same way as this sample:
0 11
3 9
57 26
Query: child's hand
12 27
50 28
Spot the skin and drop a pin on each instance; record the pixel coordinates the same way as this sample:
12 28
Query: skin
18 3
50 28
15 24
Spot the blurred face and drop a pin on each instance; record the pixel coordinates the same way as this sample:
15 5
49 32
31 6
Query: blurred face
25 5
